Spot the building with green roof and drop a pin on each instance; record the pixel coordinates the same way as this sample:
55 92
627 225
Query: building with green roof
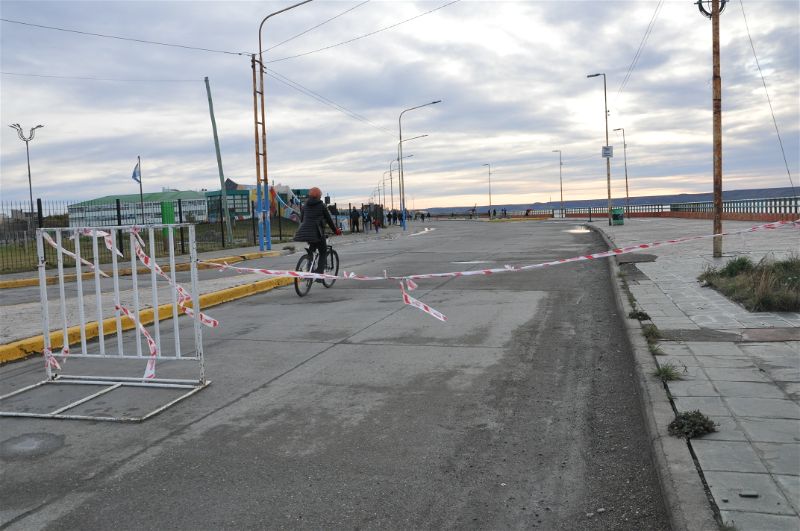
130 209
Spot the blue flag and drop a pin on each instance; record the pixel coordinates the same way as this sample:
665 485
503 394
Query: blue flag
137 174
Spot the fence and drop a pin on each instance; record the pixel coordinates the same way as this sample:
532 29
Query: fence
18 226
113 312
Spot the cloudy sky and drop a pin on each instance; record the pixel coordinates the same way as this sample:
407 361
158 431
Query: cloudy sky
512 77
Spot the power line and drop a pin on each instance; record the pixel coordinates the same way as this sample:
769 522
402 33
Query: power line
363 36
317 26
322 99
116 37
769 101
639 50
87 78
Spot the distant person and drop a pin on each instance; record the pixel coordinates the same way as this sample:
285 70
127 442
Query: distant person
354 220
494 213
313 217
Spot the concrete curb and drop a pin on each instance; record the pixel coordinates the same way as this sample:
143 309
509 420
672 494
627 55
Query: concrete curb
24 348
184 266
685 497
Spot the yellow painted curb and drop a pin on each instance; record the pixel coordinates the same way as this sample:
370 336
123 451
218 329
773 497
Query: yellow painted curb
183 266
33 345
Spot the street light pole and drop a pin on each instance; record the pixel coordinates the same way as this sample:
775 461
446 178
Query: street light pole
32 133
401 185
560 182
262 175
608 157
490 188
625 153
391 179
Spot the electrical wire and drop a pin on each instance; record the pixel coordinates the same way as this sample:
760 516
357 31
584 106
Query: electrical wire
317 26
769 100
363 36
141 41
87 78
639 50
322 99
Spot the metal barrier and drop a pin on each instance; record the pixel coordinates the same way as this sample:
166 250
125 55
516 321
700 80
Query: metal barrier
113 318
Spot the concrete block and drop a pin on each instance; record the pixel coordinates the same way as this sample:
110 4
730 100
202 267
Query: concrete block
731 456
731 485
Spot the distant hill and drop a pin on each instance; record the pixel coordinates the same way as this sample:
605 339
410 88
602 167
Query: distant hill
727 195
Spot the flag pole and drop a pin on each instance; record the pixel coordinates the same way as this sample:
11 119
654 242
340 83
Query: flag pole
141 195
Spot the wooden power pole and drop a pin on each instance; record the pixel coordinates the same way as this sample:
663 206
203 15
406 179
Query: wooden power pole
716 8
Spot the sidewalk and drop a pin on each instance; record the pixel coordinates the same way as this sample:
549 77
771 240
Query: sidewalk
742 369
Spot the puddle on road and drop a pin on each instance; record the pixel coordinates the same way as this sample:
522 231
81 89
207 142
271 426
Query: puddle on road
578 230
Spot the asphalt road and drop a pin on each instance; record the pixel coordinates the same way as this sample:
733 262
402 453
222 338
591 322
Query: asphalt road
346 409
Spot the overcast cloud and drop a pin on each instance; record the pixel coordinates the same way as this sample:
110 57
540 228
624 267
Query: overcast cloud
512 77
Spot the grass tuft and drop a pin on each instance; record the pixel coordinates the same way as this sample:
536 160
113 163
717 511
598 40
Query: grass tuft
691 424
769 286
651 333
639 314
667 373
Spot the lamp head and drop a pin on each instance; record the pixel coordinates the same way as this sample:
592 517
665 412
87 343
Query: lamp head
434 102
593 75
618 129
37 127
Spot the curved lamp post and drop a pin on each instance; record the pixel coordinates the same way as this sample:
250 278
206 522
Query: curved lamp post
560 182
401 186
607 156
490 187
21 135
625 155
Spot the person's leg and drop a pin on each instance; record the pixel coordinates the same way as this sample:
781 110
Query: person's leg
323 248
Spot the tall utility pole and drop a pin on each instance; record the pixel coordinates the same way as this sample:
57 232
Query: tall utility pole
223 211
608 154
18 128
716 8
560 182
259 110
625 153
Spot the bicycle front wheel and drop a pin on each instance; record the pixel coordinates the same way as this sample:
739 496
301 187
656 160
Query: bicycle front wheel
303 285
331 267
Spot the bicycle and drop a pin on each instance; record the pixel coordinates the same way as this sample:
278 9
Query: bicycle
308 263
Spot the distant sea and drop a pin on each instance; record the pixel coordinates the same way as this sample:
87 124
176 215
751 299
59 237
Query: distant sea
727 195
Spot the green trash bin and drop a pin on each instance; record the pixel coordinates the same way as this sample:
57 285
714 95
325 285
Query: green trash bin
617 216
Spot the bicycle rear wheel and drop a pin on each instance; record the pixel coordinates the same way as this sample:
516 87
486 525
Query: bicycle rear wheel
331 267
303 285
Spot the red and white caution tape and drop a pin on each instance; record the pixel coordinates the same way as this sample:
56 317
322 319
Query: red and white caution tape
150 370
183 295
55 246
409 279
106 238
411 301
50 360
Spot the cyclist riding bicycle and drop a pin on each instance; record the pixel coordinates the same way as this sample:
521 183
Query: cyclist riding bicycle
313 215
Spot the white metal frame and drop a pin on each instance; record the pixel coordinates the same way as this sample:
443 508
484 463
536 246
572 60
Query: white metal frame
103 350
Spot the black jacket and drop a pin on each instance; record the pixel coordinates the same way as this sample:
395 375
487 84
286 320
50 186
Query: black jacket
312 217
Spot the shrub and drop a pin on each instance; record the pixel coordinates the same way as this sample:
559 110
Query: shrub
691 424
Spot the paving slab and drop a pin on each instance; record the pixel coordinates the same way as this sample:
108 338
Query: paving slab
748 492
749 390
727 430
763 408
727 456
745 521
735 375
791 489
761 429
709 405
781 459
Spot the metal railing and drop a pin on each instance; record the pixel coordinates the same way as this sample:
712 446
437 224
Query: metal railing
18 228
